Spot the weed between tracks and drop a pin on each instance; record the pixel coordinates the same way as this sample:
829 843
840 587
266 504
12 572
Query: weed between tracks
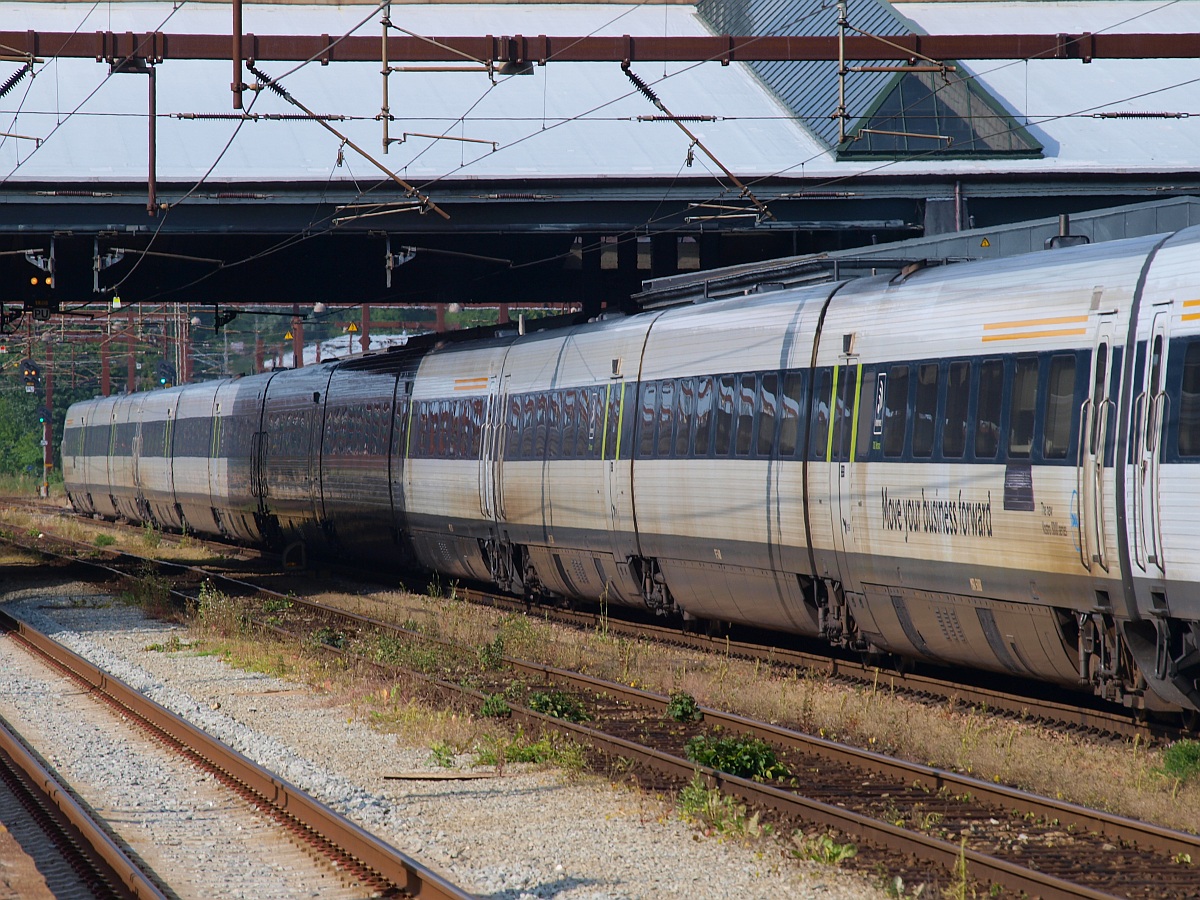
1126 778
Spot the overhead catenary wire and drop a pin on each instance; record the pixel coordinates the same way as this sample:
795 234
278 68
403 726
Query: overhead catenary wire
912 156
274 86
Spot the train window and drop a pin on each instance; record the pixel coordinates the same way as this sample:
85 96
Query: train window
435 448
991 398
822 390
704 406
895 411
553 425
684 407
122 444
954 421
744 426
724 417
477 414
587 436
1060 406
428 427
768 412
71 441
843 412
1189 402
925 410
1154 390
424 429
448 435
612 422
448 429
569 423
666 415
96 442
539 426
528 412
512 440
789 426
435 430
646 419
1023 407
1099 392
866 414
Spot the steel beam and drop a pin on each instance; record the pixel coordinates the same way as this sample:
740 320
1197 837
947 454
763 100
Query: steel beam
108 46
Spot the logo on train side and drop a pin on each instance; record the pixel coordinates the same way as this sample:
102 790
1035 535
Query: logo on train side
923 515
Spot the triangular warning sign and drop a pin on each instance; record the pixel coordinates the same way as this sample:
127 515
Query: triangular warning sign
353 329
985 243
288 337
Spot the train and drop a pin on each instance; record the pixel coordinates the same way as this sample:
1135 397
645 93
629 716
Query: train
990 464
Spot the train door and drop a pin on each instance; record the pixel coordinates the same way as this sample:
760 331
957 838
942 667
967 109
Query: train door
846 397
491 451
256 412
1095 421
1149 414
617 471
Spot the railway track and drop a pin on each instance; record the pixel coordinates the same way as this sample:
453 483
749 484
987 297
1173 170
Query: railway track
371 863
995 834
998 835
1082 715
88 861
1080 712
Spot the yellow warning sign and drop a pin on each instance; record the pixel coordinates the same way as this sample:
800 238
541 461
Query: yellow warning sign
353 329
289 336
985 243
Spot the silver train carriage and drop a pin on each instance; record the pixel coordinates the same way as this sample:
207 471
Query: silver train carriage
990 464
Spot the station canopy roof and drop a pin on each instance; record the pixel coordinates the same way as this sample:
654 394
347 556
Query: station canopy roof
579 121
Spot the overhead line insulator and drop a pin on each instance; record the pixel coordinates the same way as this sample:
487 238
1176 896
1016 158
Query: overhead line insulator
15 79
640 85
267 81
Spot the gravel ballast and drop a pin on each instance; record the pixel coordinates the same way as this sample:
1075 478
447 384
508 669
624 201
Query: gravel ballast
527 834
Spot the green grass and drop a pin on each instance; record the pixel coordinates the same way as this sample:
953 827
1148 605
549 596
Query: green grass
558 704
737 755
1182 760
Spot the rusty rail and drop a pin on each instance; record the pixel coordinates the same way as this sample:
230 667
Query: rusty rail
84 835
393 866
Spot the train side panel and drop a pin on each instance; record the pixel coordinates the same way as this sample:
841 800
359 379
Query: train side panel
97 447
717 482
448 523
356 501
155 475
564 477
1160 528
958 510
292 421
231 472
195 444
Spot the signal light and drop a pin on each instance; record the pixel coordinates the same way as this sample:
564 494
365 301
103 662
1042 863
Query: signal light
165 372
30 371
42 414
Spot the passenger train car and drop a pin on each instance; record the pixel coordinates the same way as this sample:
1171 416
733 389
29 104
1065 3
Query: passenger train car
988 464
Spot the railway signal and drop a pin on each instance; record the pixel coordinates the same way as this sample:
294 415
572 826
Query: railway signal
165 372
31 373
42 415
